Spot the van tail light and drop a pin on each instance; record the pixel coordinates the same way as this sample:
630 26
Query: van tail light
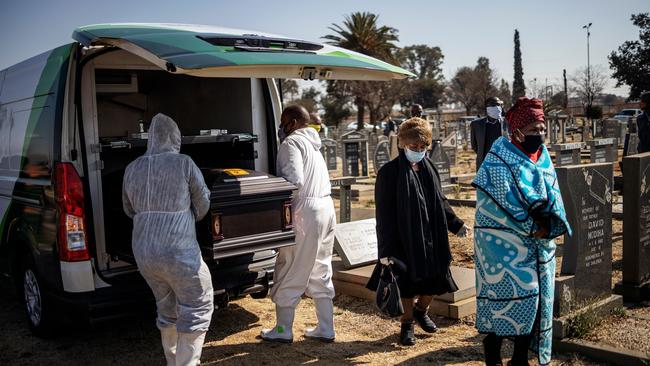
287 216
216 228
71 230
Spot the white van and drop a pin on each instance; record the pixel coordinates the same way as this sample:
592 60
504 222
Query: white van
71 119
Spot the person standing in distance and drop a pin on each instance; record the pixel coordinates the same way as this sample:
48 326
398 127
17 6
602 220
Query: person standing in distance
486 130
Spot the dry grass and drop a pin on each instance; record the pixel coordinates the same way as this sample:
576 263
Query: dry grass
363 337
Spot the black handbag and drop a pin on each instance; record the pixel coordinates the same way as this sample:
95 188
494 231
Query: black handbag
388 298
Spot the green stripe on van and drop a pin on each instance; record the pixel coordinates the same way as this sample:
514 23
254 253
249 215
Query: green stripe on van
55 69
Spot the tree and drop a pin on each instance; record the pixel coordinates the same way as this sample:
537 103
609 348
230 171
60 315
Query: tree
309 99
424 61
505 94
472 86
485 80
336 102
587 87
461 88
518 86
360 32
631 64
289 89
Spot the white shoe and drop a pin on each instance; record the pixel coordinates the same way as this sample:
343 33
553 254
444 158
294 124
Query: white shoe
169 337
283 329
325 313
189 347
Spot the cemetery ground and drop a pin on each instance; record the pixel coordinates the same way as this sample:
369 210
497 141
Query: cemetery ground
363 335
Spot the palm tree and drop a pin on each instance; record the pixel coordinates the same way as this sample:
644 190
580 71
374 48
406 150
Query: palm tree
361 33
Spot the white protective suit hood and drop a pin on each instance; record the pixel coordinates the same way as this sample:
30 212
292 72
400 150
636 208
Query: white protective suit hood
164 136
311 135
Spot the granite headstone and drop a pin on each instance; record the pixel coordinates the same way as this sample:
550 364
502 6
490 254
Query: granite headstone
636 228
603 150
328 149
382 155
567 154
356 242
586 272
441 161
355 153
450 145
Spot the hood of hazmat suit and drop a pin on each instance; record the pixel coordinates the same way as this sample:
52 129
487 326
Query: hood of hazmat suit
165 194
307 266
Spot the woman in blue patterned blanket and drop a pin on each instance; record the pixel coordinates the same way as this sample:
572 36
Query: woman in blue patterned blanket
519 213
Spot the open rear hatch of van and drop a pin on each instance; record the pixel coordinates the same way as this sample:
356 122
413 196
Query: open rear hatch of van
220 52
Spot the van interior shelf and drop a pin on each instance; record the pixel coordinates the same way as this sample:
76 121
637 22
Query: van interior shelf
121 142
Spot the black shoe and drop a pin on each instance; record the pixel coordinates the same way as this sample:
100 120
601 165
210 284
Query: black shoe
407 334
492 349
424 321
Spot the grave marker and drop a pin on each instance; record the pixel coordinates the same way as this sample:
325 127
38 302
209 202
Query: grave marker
381 156
450 145
636 228
328 149
603 150
586 272
356 242
355 153
441 161
567 154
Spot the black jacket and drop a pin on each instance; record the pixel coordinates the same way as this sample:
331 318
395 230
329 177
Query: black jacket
477 129
390 239
643 125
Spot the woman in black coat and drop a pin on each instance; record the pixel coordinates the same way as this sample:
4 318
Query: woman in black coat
413 217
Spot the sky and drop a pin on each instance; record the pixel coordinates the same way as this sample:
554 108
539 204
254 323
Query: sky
552 38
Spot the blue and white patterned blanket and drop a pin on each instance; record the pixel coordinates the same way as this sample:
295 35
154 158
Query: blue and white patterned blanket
515 272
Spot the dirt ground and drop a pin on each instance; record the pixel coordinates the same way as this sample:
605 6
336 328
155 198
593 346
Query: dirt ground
363 338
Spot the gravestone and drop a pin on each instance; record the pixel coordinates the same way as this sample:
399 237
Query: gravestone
355 153
356 242
441 161
345 196
636 228
603 150
450 145
393 145
328 149
381 156
567 154
631 144
613 128
586 272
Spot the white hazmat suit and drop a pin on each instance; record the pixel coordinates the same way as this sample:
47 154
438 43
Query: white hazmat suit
305 268
164 193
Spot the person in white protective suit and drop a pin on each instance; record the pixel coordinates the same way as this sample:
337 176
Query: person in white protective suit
164 193
305 268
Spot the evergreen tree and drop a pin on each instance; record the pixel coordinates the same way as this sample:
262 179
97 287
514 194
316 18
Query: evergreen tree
518 86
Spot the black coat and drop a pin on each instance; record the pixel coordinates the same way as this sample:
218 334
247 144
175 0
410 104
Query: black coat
477 137
643 125
391 239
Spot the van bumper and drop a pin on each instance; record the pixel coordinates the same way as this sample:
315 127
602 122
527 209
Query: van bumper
131 296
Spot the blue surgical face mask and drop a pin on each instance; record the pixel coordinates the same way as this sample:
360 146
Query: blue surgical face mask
414 156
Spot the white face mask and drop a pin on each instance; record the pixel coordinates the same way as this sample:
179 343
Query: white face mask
414 156
494 112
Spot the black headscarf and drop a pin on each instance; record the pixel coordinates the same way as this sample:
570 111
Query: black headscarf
422 222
